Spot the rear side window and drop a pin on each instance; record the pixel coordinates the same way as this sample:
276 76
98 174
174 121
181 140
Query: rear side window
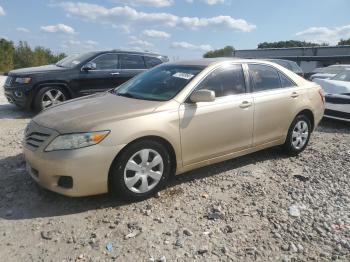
152 61
285 81
264 77
131 62
228 80
106 62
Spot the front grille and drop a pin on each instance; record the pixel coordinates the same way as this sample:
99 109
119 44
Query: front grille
9 81
334 113
36 136
342 99
35 139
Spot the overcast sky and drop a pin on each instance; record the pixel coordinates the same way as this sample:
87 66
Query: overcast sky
179 29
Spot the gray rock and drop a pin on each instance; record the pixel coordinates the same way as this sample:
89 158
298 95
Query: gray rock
179 242
202 250
294 211
187 232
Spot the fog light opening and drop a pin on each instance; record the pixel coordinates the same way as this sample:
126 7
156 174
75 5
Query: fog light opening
18 94
65 182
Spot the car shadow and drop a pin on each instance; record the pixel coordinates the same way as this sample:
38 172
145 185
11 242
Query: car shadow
21 198
328 125
10 111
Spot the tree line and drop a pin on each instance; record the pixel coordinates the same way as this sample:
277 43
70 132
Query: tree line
14 56
228 50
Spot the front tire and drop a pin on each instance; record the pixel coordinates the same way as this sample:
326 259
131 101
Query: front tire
298 135
141 170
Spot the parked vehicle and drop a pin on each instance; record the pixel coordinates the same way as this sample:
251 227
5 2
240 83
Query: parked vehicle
337 94
77 75
328 72
291 65
171 119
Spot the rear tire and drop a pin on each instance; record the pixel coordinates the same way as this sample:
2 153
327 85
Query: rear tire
298 135
49 96
140 171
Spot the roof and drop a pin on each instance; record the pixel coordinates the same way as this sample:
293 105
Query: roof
298 47
205 61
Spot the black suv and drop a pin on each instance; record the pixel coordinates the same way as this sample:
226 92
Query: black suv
76 75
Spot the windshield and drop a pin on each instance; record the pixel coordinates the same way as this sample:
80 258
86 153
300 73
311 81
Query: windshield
160 84
73 60
344 76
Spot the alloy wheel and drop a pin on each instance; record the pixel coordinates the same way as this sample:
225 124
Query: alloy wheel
143 171
52 97
300 134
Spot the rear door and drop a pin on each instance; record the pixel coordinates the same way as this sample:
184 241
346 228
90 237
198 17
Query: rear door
130 65
275 99
102 78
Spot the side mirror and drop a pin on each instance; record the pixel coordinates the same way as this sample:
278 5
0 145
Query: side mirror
203 95
89 66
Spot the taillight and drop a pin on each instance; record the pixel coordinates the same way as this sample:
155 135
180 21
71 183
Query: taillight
320 91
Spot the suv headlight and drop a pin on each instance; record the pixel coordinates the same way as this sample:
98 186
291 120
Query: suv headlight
23 80
78 140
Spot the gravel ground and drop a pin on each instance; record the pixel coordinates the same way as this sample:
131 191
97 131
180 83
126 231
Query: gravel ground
264 207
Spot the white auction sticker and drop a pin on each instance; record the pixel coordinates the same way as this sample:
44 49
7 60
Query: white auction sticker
183 75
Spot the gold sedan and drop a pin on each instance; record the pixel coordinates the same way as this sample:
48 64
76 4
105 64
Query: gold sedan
169 120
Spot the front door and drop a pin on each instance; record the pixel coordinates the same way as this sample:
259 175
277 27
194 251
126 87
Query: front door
104 77
213 129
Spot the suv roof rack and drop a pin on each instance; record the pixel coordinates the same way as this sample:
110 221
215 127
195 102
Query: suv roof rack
136 52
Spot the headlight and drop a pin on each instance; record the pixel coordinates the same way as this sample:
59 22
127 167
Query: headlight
74 141
23 80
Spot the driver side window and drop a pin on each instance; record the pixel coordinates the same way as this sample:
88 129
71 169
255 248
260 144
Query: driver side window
225 81
106 62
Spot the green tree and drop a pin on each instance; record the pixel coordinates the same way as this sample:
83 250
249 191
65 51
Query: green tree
289 43
344 42
6 55
44 56
227 51
23 56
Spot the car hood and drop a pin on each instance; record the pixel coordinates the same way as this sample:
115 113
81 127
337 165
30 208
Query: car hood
87 113
333 86
36 70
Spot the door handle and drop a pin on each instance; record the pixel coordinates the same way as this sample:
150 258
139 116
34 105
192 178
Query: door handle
115 73
245 104
294 95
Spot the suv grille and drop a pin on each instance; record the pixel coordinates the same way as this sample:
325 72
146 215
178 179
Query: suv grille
9 81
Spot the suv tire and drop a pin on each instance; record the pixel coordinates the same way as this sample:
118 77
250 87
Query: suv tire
51 95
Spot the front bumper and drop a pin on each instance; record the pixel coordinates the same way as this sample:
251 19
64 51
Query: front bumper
18 96
338 107
88 168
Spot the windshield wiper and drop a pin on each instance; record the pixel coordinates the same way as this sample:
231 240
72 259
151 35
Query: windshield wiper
126 95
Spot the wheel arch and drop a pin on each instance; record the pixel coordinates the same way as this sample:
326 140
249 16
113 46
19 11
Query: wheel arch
310 115
159 139
39 86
